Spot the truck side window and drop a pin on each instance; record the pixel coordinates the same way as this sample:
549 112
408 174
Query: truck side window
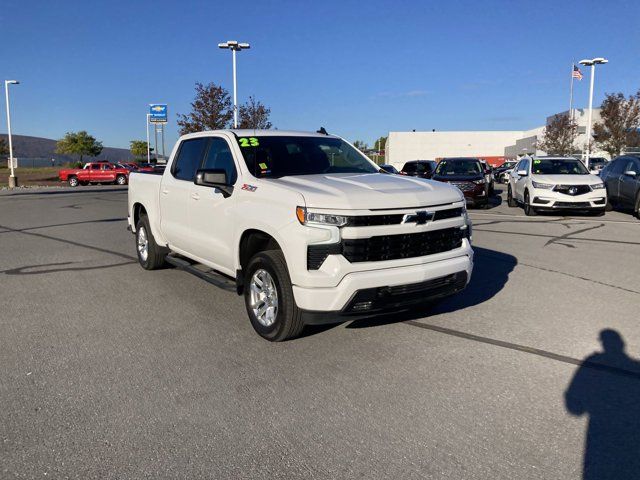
219 156
189 158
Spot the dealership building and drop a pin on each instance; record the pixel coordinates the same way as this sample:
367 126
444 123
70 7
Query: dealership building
493 146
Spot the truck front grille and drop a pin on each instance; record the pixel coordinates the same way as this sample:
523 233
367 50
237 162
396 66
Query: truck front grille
387 247
396 218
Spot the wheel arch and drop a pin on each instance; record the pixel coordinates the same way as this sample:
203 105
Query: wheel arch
138 210
252 241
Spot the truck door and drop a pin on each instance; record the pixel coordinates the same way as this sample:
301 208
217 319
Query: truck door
211 214
175 189
106 173
94 173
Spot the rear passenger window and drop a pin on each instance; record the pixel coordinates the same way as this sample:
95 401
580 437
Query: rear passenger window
189 158
618 165
219 156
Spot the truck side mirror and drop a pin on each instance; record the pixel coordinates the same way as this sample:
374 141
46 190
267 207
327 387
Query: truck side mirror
215 178
630 173
522 173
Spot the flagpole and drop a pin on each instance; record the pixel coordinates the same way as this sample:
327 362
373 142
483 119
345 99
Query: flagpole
571 93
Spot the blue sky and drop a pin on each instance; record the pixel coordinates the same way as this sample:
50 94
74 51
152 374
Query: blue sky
360 69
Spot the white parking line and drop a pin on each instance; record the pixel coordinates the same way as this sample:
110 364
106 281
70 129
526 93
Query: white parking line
546 219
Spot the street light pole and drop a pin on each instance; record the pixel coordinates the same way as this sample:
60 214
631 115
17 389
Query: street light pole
12 178
148 146
235 91
591 63
234 46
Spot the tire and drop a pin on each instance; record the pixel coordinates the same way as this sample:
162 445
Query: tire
529 211
155 254
73 181
637 209
284 319
510 200
121 180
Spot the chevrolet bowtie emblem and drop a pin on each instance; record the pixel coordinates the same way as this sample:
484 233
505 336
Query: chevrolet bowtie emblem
419 218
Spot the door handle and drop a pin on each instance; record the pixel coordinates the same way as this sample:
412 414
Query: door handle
165 192
195 196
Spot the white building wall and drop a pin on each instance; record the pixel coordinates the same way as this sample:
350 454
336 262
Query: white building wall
404 146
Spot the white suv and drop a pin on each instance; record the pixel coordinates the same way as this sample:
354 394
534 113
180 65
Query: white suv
555 183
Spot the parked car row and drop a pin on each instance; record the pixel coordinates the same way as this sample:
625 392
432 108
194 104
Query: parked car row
540 183
473 176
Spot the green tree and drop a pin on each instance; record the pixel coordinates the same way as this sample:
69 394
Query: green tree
619 126
139 148
360 145
253 114
559 136
380 144
4 148
79 143
210 110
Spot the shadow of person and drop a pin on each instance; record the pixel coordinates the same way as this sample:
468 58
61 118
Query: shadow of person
606 387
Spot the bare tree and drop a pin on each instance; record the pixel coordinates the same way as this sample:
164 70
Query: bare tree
211 110
253 114
559 136
620 122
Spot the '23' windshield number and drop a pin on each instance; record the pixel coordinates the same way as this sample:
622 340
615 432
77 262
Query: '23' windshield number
248 142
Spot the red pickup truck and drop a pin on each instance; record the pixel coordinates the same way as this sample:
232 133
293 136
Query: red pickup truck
100 172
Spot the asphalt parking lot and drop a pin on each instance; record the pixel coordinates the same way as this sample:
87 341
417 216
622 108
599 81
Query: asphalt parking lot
110 371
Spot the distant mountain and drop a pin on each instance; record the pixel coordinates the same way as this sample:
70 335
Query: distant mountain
36 147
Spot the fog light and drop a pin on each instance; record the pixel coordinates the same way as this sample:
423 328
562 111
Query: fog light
361 306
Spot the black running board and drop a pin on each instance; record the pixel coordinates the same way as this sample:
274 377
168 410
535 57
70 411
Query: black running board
208 275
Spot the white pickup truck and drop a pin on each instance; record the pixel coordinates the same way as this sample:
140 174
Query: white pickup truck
305 226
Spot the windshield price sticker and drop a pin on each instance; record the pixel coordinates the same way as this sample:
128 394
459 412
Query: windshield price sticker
248 142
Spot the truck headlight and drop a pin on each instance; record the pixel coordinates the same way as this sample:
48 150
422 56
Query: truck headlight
543 186
306 218
597 186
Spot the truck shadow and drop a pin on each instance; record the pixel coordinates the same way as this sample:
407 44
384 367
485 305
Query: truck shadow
490 275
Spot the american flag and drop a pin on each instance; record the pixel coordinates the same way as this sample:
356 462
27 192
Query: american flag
576 73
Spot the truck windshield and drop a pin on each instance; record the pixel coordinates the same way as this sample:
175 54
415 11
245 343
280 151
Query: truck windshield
558 167
280 156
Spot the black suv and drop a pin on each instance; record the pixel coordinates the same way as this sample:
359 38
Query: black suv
419 168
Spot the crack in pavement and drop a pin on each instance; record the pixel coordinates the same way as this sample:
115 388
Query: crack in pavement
525 349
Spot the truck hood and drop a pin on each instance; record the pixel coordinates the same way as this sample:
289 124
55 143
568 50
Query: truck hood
567 179
369 191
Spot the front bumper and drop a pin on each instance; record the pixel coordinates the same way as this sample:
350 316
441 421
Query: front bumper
549 200
323 304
